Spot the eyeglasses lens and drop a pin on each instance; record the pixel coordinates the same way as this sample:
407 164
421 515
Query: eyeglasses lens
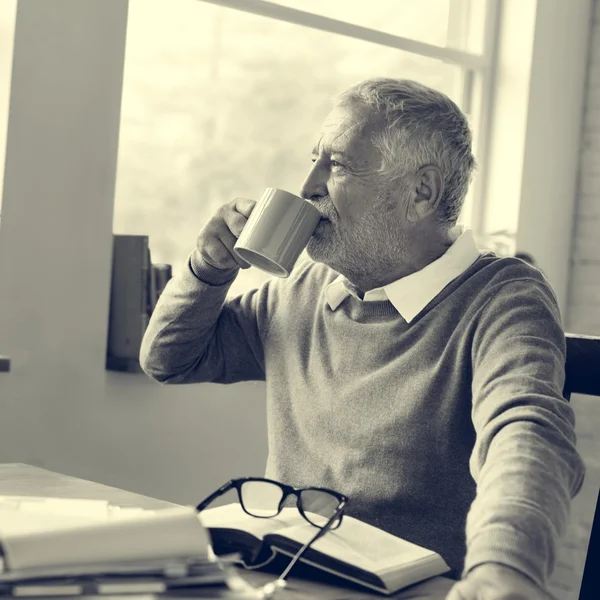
261 498
319 506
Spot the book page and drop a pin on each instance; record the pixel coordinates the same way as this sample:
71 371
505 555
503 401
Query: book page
232 516
362 545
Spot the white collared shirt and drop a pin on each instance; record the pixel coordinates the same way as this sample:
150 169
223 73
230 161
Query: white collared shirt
412 293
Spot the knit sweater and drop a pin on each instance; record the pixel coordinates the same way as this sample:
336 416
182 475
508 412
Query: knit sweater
450 431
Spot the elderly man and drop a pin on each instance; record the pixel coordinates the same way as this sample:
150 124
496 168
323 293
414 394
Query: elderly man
403 367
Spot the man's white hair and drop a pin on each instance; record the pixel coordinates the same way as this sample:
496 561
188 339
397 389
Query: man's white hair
423 127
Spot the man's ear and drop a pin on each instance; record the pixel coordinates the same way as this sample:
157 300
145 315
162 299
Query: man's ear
427 188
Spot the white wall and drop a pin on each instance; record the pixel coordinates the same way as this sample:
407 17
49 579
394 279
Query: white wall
536 129
8 11
60 408
555 115
584 297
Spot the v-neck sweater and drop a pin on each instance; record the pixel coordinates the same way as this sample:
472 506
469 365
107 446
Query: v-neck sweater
450 431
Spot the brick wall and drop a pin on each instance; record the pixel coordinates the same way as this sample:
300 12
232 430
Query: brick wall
583 316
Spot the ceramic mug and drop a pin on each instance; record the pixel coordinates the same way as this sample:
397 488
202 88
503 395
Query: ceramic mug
277 231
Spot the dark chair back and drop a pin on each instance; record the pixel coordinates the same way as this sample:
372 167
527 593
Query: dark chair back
583 365
583 377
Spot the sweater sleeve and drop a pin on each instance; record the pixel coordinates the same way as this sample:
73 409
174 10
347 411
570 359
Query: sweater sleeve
524 461
197 335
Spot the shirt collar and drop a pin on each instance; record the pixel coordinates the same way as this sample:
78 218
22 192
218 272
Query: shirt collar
409 295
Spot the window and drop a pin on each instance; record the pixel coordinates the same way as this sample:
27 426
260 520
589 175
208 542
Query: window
219 103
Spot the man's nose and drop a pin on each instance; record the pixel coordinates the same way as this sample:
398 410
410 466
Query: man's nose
315 185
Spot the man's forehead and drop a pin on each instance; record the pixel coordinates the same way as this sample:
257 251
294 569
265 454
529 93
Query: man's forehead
346 129
345 121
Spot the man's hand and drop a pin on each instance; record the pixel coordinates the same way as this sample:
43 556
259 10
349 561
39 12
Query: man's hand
218 237
496 582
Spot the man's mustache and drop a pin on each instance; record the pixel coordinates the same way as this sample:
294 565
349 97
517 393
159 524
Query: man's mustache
327 211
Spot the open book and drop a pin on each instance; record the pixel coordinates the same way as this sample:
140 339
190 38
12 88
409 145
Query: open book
355 551
53 539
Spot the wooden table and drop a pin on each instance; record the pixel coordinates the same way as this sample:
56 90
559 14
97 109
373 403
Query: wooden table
25 480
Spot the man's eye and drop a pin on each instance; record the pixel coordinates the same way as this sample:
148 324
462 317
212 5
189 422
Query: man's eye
332 163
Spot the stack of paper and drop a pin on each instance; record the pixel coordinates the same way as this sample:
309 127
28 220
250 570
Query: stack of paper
24 514
73 544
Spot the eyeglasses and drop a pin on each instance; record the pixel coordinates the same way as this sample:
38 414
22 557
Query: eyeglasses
265 498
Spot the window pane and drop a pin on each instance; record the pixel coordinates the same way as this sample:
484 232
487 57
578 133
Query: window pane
211 112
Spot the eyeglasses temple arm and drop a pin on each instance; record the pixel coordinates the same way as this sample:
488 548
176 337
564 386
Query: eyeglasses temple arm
308 544
222 490
269 590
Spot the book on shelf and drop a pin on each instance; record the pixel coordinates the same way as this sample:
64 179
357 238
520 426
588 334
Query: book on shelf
355 551
131 296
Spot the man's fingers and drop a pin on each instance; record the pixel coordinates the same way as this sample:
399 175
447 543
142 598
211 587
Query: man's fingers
217 255
228 239
217 238
235 221
217 250
244 206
